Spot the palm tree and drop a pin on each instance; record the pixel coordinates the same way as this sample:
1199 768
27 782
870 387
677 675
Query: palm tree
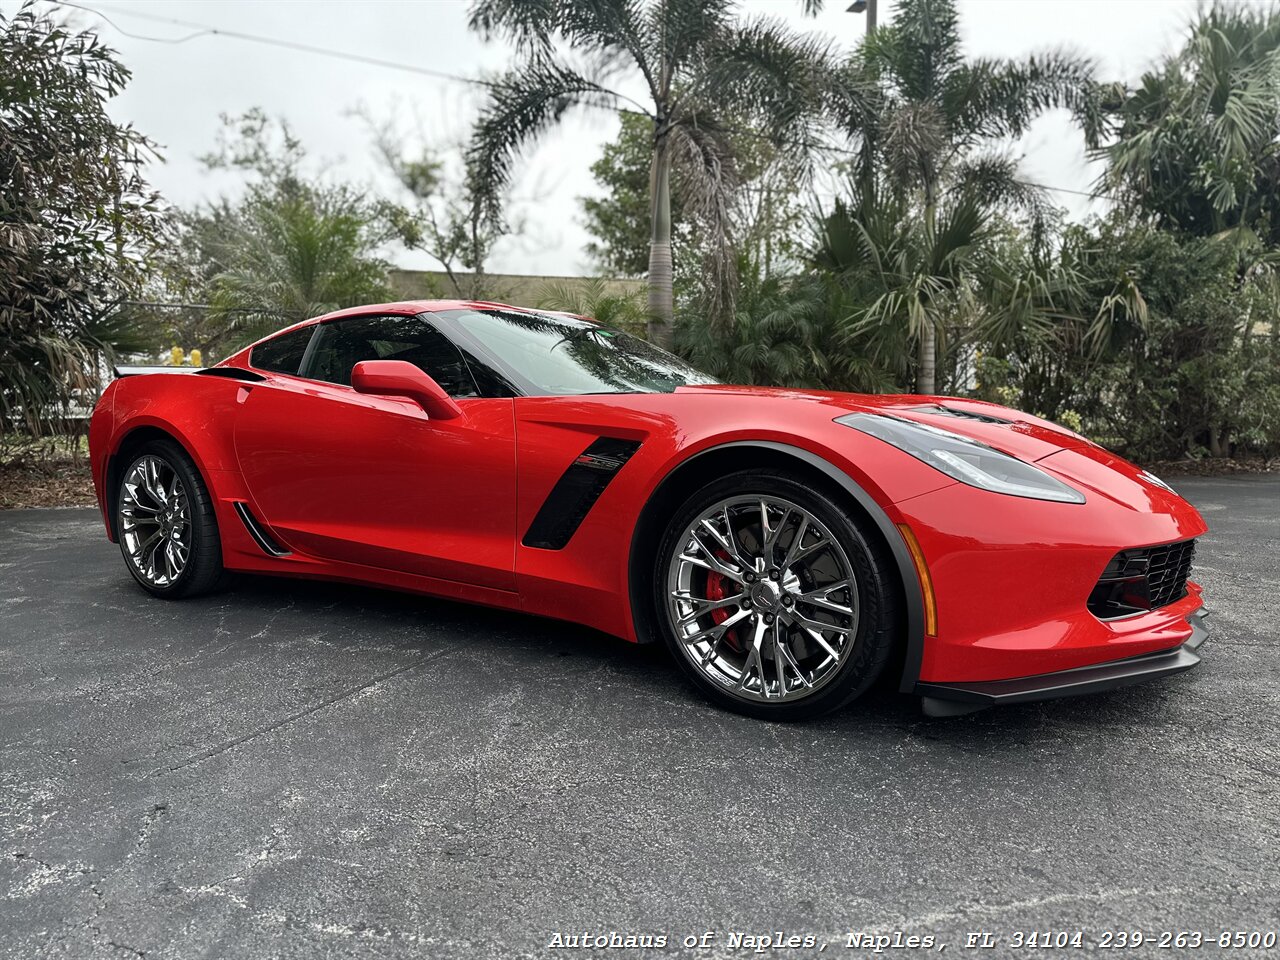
931 124
290 252
302 256
907 274
608 303
1196 146
972 276
791 330
700 68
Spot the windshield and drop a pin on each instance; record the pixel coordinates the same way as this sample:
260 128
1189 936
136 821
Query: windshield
563 355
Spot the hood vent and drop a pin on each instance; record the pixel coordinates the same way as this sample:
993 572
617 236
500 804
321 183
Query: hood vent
940 411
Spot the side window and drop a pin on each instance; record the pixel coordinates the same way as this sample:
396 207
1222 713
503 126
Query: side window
344 343
282 354
489 381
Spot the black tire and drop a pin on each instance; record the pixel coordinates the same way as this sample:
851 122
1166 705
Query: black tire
203 571
879 623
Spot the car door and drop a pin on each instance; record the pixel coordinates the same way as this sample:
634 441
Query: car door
373 480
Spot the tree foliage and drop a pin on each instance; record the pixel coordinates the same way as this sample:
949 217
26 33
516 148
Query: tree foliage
1187 373
291 247
793 331
704 72
78 222
597 298
442 212
1195 147
768 200
618 219
931 128
1155 329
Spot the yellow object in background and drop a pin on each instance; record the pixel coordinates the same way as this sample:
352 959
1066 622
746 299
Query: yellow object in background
196 358
175 357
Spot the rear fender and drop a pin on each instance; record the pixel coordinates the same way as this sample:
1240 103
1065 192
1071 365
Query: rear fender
196 412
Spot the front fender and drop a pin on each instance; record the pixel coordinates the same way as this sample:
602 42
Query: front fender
885 517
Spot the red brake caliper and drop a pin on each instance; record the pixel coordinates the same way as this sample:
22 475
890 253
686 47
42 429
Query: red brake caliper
715 591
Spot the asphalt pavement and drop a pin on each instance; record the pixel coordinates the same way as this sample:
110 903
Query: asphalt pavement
300 770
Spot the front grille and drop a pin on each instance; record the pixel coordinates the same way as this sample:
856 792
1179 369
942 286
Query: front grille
1168 571
1142 579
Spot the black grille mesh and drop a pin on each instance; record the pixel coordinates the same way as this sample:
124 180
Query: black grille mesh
1144 578
1167 570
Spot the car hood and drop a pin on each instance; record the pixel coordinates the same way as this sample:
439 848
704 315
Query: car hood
1076 459
1010 431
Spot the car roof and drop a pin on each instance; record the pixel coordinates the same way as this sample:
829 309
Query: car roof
411 307
414 307
398 308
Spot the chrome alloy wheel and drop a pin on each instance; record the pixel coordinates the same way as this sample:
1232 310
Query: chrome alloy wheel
762 598
155 521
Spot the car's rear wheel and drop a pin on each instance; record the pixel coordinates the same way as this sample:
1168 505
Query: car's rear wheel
773 598
166 525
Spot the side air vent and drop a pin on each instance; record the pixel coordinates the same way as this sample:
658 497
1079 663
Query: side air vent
232 373
576 492
260 536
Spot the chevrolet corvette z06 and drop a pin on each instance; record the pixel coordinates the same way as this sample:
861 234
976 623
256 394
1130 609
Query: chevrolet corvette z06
789 546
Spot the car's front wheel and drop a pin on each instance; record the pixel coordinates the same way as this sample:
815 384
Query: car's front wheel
166 525
774 600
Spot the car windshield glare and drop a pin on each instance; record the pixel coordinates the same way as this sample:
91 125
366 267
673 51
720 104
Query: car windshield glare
562 355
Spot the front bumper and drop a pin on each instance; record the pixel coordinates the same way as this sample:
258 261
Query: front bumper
954 699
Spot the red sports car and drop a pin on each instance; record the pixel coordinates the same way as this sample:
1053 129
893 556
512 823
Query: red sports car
789 546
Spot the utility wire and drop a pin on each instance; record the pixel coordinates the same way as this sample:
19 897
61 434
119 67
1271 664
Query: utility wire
205 30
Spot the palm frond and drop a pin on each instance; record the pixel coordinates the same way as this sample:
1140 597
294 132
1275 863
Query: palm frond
595 297
986 99
961 228
1124 302
771 76
1194 144
611 32
522 104
913 142
704 157
921 49
993 178
682 31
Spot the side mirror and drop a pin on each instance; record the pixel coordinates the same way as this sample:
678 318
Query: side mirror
399 378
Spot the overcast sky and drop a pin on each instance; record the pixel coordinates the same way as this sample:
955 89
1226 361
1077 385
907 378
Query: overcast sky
180 88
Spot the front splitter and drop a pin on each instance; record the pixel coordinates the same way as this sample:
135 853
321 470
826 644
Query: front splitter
954 699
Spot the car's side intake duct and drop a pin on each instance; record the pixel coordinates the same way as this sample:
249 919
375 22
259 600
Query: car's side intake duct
1142 579
264 540
576 492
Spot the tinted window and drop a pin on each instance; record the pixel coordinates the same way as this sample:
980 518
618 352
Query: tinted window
282 354
343 344
489 382
563 355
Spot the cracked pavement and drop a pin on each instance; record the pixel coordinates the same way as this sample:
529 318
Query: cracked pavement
296 769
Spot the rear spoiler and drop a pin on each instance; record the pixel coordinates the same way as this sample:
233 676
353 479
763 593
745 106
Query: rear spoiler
139 371
229 373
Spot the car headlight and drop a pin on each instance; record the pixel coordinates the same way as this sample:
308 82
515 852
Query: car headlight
963 459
